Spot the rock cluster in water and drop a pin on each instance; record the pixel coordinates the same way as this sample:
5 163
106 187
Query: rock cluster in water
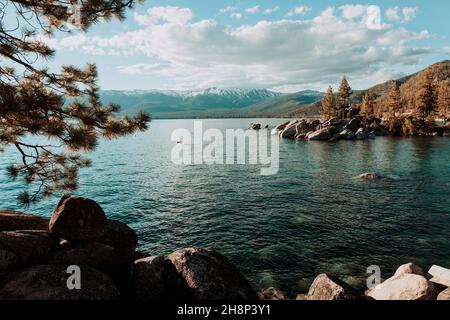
35 254
330 130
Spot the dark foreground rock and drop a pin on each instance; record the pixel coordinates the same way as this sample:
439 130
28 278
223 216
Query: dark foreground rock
122 238
87 253
30 248
14 220
78 219
8 260
210 276
326 287
147 279
49 282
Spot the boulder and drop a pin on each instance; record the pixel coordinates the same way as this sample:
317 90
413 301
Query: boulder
8 260
281 126
332 122
301 296
360 134
405 286
272 294
353 125
14 220
372 135
30 248
350 135
370 176
300 137
409 268
86 253
440 275
289 131
122 238
324 134
444 295
146 278
326 287
301 128
49 282
78 219
209 276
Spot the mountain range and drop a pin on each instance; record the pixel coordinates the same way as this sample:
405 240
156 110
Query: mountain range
249 103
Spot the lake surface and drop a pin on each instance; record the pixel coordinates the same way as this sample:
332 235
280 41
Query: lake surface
284 229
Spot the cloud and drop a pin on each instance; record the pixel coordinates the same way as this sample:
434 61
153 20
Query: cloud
447 50
402 15
301 10
271 10
253 10
228 9
353 11
168 14
286 53
236 15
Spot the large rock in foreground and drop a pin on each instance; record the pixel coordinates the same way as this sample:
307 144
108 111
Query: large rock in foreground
122 238
86 253
444 295
326 287
8 260
210 276
409 268
404 287
147 279
78 219
30 247
14 220
47 282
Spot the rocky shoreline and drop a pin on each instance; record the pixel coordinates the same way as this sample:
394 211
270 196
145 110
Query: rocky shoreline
347 129
36 255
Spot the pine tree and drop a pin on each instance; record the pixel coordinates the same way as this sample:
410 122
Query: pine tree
395 100
62 108
367 108
444 99
344 93
425 96
328 104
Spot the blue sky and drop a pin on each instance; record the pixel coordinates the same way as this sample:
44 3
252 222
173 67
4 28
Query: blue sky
281 45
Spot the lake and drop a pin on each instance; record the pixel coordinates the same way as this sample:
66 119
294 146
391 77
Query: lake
284 229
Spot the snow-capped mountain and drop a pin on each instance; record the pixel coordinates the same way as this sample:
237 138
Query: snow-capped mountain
169 100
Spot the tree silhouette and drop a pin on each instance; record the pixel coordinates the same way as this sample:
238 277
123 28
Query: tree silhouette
62 108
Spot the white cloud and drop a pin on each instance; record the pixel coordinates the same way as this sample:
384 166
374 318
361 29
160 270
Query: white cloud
271 10
409 13
253 10
285 53
301 10
447 49
168 14
228 9
236 15
402 15
350 11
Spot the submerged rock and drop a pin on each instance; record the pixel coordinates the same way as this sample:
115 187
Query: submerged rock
272 294
78 219
370 176
49 282
405 286
210 276
326 287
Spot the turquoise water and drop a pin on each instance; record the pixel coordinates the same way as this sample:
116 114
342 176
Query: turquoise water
280 230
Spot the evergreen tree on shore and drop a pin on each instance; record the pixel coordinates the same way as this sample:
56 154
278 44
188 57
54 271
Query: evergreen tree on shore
425 96
444 99
344 93
367 108
62 108
394 104
328 104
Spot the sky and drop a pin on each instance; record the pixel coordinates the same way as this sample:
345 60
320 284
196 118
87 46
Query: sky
283 45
